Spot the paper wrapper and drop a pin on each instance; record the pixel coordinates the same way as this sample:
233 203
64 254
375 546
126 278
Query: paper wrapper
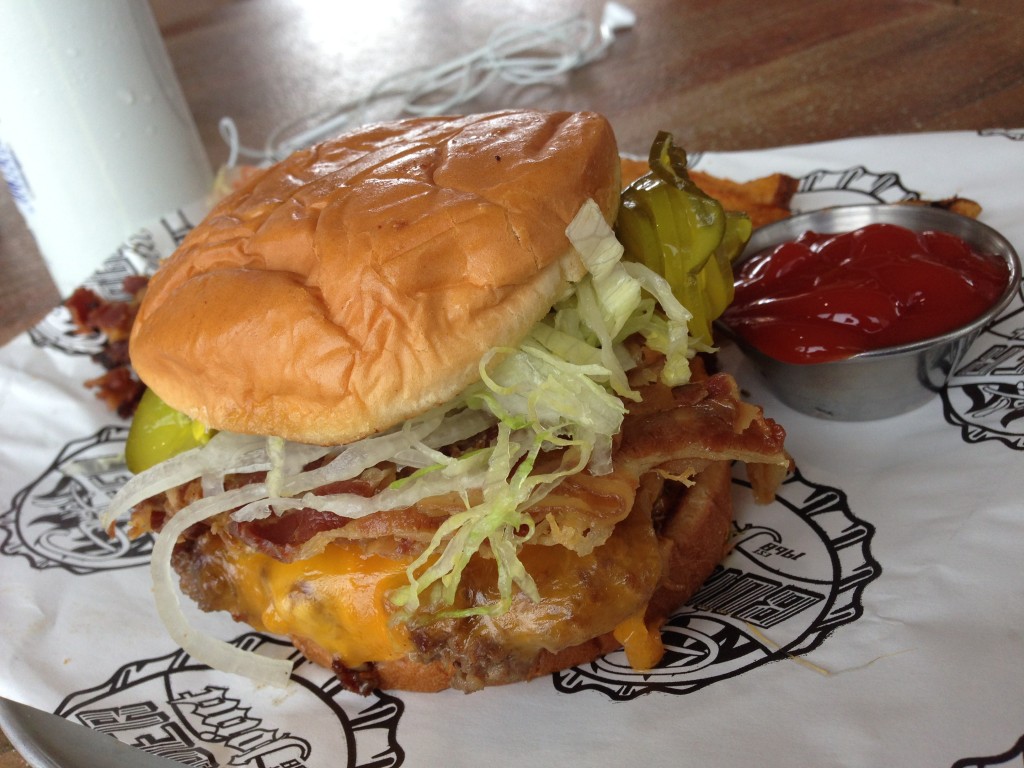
873 615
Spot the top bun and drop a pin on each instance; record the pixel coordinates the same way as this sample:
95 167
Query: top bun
358 283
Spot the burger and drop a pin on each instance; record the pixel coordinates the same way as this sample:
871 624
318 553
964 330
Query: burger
411 404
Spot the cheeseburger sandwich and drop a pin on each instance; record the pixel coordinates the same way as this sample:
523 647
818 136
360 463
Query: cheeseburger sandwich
413 405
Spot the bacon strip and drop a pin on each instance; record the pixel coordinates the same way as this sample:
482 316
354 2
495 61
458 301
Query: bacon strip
118 387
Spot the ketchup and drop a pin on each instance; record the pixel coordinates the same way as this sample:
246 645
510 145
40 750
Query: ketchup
826 297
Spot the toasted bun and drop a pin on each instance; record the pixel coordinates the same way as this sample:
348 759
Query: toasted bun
358 283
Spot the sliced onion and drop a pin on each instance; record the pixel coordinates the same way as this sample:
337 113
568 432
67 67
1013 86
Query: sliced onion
226 452
469 474
356 457
202 647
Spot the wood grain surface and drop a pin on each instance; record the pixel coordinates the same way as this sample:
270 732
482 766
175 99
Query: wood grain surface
724 75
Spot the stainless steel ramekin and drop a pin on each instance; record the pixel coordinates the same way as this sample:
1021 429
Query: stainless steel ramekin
893 380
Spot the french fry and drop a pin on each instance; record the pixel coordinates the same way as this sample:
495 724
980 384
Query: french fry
764 200
961 205
768 198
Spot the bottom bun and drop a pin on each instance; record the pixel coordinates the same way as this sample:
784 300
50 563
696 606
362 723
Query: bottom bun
692 538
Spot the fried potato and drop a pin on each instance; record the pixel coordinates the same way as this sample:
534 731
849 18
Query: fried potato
764 200
961 205
768 198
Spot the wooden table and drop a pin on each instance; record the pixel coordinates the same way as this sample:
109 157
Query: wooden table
733 74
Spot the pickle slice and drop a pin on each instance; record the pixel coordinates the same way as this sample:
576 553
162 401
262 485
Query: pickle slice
669 224
159 432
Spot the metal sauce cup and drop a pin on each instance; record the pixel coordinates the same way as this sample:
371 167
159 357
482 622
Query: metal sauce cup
892 380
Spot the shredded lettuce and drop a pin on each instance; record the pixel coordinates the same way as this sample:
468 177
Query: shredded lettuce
541 403
561 389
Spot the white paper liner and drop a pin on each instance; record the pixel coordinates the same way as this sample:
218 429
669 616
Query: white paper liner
873 616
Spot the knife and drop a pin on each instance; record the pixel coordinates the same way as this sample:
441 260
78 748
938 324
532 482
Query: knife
50 741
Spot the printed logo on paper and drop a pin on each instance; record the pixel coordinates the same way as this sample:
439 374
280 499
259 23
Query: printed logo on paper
985 394
140 254
1015 134
54 521
17 182
795 573
849 186
1013 756
169 707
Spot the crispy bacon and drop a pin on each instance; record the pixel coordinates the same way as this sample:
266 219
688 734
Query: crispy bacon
701 420
91 314
363 680
119 389
82 304
278 535
281 536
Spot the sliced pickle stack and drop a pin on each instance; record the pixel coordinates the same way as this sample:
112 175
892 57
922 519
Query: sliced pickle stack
668 224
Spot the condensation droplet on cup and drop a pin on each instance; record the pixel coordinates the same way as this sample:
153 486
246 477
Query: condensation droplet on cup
126 95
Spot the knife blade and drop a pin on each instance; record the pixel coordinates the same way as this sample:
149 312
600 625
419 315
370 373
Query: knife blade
49 741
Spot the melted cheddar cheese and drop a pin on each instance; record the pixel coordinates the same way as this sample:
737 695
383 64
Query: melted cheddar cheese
642 644
337 597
